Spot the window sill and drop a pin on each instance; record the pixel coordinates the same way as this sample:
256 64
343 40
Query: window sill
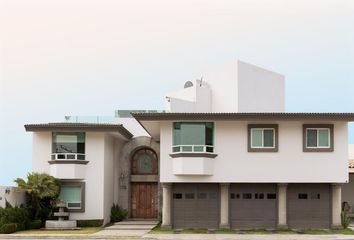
193 154
68 162
263 149
318 149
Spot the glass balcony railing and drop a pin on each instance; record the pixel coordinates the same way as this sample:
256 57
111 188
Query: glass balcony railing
89 119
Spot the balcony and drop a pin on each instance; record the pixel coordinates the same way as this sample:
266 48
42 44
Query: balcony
68 165
193 159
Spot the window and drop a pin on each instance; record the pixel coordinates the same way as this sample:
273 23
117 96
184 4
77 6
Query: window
318 138
189 195
302 196
202 195
193 137
271 196
315 196
177 195
259 195
68 146
262 138
73 195
144 161
247 195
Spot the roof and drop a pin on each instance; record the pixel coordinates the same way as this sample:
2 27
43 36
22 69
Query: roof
94 127
151 121
245 116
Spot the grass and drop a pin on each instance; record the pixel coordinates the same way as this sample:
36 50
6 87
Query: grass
88 230
158 230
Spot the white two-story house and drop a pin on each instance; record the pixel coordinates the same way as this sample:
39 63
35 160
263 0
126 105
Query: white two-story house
224 154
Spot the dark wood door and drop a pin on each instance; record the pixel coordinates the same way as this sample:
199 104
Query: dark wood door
143 202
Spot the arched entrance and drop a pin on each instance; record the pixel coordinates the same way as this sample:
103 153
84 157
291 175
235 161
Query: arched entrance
144 187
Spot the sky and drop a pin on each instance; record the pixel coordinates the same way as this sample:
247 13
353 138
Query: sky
67 57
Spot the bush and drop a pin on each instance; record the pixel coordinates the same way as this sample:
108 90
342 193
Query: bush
117 213
345 219
90 223
36 224
14 215
9 228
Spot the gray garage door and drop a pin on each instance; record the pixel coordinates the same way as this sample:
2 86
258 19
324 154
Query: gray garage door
308 205
253 206
195 205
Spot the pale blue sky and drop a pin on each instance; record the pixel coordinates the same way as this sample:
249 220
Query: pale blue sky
91 57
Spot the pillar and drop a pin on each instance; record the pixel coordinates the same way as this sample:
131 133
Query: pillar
224 205
166 205
282 209
336 205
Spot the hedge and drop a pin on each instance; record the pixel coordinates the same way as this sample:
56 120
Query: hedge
9 228
90 223
36 224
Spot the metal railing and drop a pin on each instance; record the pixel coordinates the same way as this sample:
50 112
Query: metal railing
193 148
68 156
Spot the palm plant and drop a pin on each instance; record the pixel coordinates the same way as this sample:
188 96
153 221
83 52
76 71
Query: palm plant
39 186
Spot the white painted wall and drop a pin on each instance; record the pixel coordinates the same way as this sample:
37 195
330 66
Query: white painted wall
351 151
233 87
16 197
259 90
41 150
235 164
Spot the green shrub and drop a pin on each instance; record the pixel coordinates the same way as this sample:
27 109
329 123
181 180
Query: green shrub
14 215
345 219
36 224
9 228
117 213
90 223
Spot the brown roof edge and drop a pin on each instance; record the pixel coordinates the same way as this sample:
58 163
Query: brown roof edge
244 116
79 127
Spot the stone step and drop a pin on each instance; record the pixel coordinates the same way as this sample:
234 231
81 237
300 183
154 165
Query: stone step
130 227
140 222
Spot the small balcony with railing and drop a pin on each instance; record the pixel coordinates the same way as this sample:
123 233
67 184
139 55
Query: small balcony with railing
192 150
68 159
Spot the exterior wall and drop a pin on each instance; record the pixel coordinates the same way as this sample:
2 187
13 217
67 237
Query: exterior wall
42 148
259 90
351 151
290 164
14 197
94 196
108 194
348 192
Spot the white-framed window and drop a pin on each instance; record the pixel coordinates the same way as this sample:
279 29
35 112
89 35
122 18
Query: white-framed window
73 194
262 138
318 138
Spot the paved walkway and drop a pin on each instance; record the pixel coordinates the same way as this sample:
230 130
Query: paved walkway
136 228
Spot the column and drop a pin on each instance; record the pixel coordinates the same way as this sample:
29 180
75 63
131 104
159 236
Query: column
166 205
282 188
336 205
224 205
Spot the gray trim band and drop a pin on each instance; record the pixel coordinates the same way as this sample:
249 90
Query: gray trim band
68 162
206 155
276 136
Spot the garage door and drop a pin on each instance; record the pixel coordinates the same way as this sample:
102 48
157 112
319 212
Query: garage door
195 205
308 205
253 206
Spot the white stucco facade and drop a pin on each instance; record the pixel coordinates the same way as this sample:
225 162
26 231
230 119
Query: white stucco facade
290 164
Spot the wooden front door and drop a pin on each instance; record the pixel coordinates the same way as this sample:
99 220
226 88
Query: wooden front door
143 202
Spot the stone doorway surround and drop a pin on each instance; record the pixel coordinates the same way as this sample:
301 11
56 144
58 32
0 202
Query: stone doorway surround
124 177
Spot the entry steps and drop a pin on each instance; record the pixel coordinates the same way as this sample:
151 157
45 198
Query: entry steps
133 225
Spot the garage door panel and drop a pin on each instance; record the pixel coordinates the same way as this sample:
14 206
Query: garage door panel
312 211
202 211
255 212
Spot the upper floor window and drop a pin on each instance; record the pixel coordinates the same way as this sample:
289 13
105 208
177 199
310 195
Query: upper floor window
262 138
68 146
318 138
193 137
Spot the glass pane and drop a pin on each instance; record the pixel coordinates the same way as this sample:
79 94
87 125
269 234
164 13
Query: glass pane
202 195
268 136
198 149
81 157
323 138
176 134
271 196
256 135
210 149
177 195
70 193
192 134
68 143
311 138
186 148
74 205
189 195
145 163
247 195
176 149
209 131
